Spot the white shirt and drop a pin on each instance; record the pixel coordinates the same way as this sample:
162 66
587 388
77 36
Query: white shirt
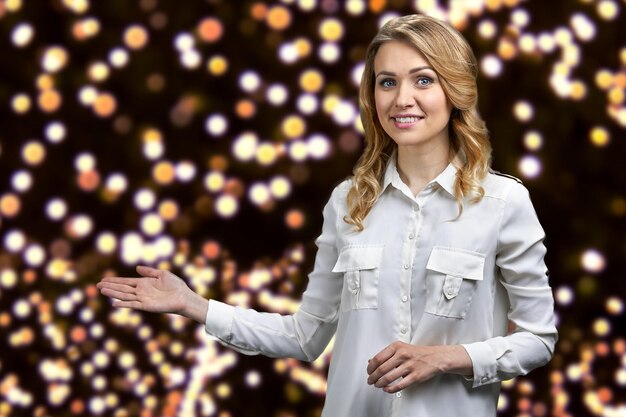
417 275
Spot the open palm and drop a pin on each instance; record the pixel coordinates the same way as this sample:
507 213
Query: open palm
156 291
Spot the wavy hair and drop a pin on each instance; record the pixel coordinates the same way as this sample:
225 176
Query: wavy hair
451 57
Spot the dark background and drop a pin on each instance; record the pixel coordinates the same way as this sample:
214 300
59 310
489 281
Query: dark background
87 359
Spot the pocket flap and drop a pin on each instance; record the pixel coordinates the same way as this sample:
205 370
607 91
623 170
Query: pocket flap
353 258
457 263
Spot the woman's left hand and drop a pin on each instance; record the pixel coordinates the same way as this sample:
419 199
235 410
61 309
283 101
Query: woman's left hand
415 364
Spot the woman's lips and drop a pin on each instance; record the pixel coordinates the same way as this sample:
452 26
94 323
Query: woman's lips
404 122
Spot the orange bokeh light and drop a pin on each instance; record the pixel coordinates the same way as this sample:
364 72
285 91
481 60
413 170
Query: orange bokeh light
210 29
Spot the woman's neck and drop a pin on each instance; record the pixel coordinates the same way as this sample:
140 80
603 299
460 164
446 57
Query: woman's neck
417 167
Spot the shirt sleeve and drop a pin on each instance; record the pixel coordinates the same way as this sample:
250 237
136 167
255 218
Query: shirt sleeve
303 335
524 276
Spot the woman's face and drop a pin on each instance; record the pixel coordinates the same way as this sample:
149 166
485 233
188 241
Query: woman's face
411 105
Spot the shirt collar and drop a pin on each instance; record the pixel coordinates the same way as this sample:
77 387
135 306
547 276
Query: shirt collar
446 179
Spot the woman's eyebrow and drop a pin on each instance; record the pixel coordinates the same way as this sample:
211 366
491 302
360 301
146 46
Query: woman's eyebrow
411 71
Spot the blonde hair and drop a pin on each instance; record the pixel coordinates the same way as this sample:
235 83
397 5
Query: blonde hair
450 56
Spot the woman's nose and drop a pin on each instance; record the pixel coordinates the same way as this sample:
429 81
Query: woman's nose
404 96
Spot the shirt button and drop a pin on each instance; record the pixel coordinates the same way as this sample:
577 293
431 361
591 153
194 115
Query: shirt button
403 330
416 208
412 236
406 266
449 291
398 394
404 298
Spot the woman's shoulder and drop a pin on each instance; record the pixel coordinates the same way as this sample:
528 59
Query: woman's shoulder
499 185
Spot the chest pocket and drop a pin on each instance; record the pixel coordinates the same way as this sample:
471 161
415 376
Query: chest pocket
451 279
361 267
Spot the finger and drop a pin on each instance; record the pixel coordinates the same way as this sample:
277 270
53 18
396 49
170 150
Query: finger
384 368
147 271
380 358
120 280
127 304
391 376
117 287
400 384
124 296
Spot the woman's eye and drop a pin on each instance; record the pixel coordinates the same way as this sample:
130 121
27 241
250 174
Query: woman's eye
386 83
424 82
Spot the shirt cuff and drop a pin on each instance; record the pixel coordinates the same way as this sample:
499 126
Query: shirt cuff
484 363
219 320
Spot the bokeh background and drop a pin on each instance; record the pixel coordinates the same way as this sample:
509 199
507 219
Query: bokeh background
205 137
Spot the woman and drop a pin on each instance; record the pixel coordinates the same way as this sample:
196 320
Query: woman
425 255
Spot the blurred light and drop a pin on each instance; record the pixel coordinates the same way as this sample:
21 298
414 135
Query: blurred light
614 306
529 166
14 241
487 29
117 183
331 30
278 17
184 41
77 6
318 146
20 103
599 136
527 43
210 29
21 181
214 181
329 52
298 151
185 171
277 94
22 35
80 225
55 132
546 42
245 108
135 37
34 255
564 295
56 209
84 162
520 18
293 126
191 59
98 71
8 278
245 146
259 194
163 173
118 57
54 59
104 105
607 9
217 65
144 199
344 113
33 152
216 125
491 65
294 219
49 101
303 47
533 140
168 210
249 81
106 243
593 261
355 7
226 205
87 95
311 81
152 224
601 327
523 111
288 53
307 104
280 187
10 205
583 27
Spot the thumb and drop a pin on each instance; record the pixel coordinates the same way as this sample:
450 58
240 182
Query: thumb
147 271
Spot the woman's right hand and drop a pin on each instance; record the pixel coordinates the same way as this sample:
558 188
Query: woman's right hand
157 291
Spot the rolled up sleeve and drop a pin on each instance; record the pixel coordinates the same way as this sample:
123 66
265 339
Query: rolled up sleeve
524 276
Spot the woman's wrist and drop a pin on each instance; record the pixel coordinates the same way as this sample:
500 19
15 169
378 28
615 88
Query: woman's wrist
196 307
458 361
